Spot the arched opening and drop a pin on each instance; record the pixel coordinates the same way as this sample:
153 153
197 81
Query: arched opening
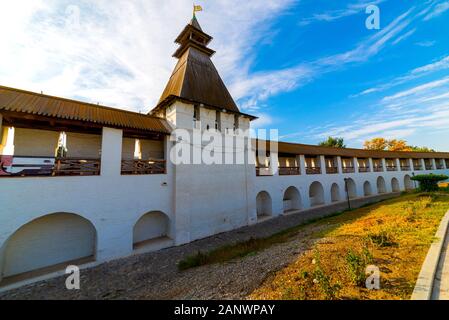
352 189
408 183
367 190
264 204
292 200
395 185
316 194
381 186
49 242
151 227
335 193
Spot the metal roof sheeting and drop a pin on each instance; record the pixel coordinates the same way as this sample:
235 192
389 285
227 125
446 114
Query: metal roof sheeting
15 100
304 149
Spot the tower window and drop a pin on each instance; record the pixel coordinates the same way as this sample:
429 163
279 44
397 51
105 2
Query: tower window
196 113
196 117
236 123
218 121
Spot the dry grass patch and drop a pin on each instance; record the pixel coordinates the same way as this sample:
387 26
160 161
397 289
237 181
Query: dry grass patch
394 235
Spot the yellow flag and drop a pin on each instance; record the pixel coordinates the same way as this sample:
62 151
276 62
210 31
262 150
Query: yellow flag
197 8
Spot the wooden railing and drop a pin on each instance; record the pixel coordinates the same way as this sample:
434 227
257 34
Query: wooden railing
348 170
392 168
33 166
331 170
378 169
440 167
313 170
417 167
364 169
429 167
405 168
289 171
77 167
137 167
263 171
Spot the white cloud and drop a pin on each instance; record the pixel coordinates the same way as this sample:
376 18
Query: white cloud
402 115
414 74
435 66
438 10
426 44
253 89
120 52
404 36
417 89
350 10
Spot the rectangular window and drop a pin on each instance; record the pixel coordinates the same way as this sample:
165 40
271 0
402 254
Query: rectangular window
236 123
196 117
218 121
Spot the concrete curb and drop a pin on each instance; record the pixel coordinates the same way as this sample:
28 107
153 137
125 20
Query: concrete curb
424 284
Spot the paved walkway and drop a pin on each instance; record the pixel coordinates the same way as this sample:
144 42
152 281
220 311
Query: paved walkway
441 282
155 275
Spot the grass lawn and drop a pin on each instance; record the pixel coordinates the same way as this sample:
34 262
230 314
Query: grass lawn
394 235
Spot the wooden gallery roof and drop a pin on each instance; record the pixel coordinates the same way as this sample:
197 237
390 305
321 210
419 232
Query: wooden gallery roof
20 104
304 149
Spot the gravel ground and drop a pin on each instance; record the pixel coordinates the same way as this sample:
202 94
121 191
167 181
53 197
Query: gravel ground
155 275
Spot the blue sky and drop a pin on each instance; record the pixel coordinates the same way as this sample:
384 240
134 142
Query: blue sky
309 68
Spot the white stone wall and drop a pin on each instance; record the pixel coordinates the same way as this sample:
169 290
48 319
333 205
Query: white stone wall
198 200
111 202
277 185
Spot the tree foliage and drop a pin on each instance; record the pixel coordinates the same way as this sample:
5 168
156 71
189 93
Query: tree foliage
333 142
376 144
382 144
429 182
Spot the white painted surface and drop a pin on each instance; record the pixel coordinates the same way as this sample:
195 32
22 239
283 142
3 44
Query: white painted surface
151 226
199 200
48 241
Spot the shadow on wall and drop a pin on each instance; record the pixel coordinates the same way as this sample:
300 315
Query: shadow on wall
151 226
292 199
264 204
48 241
316 194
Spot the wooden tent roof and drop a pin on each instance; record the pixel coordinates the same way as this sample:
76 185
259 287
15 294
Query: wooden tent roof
195 78
30 103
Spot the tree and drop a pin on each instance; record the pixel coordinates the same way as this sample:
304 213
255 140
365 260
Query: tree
398 145
429 182
421 149
376 144
333 142
393 145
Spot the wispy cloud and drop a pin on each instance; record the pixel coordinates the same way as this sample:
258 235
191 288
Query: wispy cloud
404 36
253 89
439 65
417 89
437 11
400 115
426 44
119 53
350 10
